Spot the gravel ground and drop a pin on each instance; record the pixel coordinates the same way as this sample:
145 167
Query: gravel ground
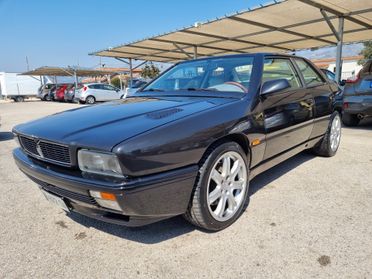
309 217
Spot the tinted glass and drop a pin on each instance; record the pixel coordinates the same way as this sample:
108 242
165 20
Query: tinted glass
280 68
107 87
218 74
138 84
329 74
366 68
311 77
95 86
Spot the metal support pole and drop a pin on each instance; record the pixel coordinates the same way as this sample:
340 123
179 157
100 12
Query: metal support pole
121 83
339 49
195 52
76 80
130 72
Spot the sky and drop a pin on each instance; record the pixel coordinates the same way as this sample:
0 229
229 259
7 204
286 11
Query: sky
63 32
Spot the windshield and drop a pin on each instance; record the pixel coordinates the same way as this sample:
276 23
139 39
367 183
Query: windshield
138 83
227 74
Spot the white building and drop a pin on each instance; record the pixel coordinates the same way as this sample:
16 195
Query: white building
350 66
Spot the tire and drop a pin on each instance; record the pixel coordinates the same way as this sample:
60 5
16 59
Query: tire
19 99
328 146
350 119
202 212
90 100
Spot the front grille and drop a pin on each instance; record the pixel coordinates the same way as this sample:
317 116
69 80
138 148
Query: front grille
29 145
48 151
64 193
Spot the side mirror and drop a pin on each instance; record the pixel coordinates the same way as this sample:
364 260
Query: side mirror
342 82
276 85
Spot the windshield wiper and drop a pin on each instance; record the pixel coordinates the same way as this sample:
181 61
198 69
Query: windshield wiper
198 89
153 90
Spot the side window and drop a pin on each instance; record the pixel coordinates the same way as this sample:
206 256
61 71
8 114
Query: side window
280 68
366 68
94 86
311 77
108 87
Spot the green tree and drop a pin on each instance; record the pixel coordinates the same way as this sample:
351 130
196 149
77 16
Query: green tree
115 82
366 52
150 71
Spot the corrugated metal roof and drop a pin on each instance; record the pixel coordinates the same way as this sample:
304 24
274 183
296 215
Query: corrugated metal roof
280 26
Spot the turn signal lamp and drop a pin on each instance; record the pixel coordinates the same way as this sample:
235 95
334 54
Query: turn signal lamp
104 199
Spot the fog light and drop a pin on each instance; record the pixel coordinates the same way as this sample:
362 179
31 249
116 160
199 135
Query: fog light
104 199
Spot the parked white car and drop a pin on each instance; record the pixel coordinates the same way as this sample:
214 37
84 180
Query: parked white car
98 92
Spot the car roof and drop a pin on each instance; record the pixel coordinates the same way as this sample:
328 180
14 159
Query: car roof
94 83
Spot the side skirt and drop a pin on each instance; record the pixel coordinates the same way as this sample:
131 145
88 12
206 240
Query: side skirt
269 163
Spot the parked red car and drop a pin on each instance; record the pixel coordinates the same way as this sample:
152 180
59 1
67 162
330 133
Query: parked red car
60 93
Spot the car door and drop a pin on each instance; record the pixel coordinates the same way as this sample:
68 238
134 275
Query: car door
321 92
288 114
113 92
100 92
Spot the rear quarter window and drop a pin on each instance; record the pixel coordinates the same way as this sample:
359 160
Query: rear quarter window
310 75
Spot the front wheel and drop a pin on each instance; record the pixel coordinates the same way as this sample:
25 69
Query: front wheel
328 146
221 189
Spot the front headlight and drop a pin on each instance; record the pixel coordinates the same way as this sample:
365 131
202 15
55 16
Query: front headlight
99 163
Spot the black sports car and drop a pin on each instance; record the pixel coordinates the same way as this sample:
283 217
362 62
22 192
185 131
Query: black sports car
187 143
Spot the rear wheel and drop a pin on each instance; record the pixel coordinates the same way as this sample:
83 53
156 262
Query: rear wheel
328 146
221 188
19 99
350 119
90 100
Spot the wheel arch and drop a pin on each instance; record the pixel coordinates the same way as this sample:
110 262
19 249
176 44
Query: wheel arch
240 139
338 109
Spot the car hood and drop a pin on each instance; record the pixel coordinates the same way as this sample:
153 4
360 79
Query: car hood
104 126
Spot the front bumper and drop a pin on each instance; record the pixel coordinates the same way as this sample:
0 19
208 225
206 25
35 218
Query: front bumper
143 200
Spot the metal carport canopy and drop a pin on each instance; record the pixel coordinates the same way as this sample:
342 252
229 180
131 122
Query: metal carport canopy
69 71
281 26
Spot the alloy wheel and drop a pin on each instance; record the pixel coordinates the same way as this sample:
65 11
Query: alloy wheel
227 185
90 100
335 134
